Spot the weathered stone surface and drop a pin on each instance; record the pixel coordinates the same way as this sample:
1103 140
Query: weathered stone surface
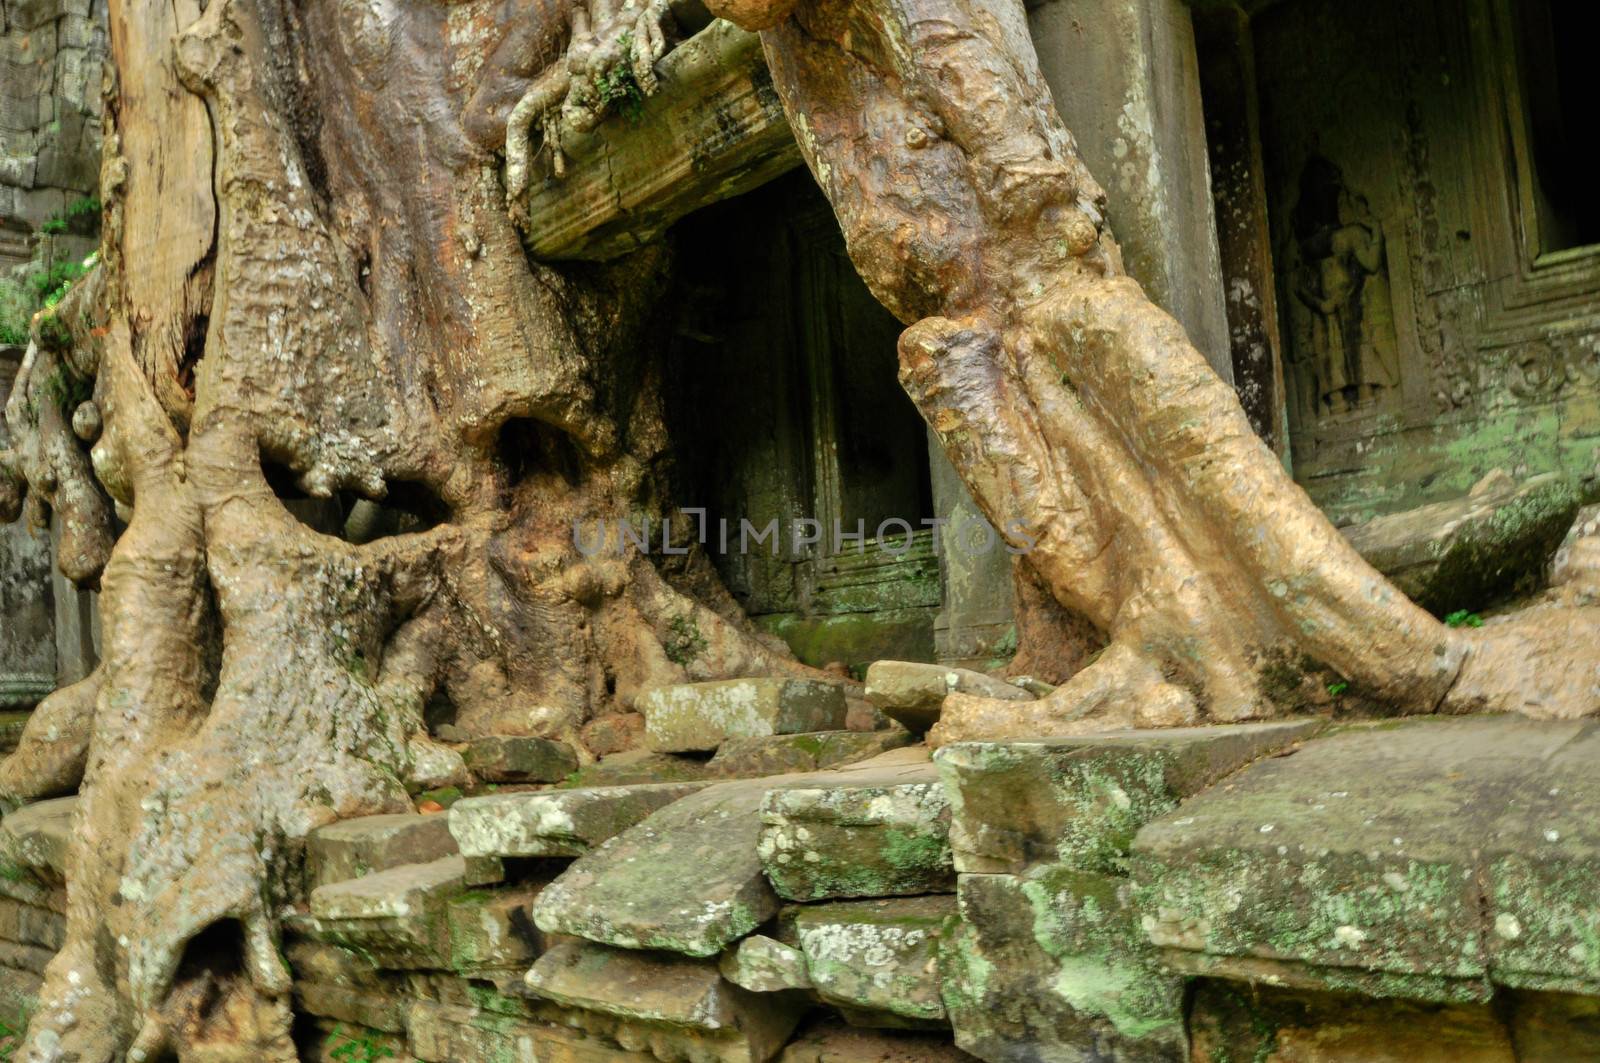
701 716
518 758
1465 552
747 758
912 693
858 841
1079 801
689 879
395 916
834 1042
666 989
1051 965
1231 1023
36 837
636 766
1427 858
715 129
764 965
877 958
382 1008
556 822
357 847
453 1033
493 928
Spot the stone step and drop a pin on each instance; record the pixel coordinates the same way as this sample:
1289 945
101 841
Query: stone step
877 960
354 848
699 717
913 693
689 878
837 841
556 822
1430 858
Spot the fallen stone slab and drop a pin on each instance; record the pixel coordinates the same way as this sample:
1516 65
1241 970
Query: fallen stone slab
913 693
765 965
657 988
877 960
1428 858
826 842
353 848
1053 965
689 878
748 758
698 717
1466 552
518 758
1079 801
555 822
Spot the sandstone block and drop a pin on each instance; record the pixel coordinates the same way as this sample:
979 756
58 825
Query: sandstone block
671 990
747 758
518 758
701 716
1051 965
354 848
689 878
555 822
764 965
1430 859
912 693
877 958
1079 801
858 841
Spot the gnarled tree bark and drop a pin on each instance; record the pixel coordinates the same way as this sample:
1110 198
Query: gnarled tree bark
1079 415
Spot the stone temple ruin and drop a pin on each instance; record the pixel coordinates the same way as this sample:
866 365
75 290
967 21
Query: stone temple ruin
1371 221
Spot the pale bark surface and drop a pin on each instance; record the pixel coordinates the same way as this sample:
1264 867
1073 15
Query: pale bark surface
313 285
1077 411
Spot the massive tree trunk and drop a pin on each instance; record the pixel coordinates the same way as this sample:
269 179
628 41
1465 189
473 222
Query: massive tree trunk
1080 417
315 323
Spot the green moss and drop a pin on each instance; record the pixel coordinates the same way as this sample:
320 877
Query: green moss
684 643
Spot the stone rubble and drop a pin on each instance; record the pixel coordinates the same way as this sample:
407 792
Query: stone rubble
1405 890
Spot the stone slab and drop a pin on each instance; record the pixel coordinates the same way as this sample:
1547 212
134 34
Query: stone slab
913 693
1464 553
765 965
556 822
662 988
689 878
820 843
1079 801
831 1041
519 758
877 959
699 717
1052 965
746 758
1428 858
354 848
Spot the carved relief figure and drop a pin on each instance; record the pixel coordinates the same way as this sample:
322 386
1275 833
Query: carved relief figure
1343 279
